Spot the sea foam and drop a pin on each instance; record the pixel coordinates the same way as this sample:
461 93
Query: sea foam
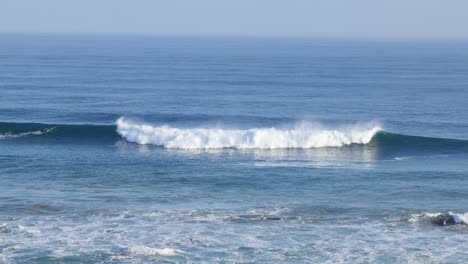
25 134
303 135
164 252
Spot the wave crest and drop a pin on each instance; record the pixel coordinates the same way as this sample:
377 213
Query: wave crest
304 135
441 219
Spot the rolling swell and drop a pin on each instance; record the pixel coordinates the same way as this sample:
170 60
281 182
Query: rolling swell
57 132
392 142
297 137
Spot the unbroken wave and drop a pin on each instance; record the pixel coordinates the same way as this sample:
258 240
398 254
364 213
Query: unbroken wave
301 136
69 132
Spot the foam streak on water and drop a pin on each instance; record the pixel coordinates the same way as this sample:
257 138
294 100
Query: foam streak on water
25 134
304 135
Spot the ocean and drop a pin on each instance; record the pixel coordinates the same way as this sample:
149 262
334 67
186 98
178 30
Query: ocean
144 149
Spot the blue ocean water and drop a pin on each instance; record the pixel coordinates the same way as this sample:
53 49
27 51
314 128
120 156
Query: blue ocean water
138 149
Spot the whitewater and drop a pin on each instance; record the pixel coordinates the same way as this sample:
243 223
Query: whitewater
302 135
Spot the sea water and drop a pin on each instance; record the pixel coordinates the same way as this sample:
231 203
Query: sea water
140 149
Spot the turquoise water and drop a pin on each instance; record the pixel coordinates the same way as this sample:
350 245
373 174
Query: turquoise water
133 149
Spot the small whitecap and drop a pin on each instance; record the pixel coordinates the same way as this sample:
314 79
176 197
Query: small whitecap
28 229
148 251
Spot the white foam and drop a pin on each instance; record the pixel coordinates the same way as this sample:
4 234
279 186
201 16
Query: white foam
304 135
146 239
460 218
415 218
28 229
164 252
401 158
25 134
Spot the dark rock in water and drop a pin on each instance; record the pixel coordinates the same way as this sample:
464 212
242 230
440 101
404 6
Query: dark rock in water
443 219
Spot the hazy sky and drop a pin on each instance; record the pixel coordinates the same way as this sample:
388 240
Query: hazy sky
311 18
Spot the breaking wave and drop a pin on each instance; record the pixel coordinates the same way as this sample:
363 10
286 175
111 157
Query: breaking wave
441 219
304 135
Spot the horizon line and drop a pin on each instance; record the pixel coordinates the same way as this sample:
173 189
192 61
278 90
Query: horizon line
246 36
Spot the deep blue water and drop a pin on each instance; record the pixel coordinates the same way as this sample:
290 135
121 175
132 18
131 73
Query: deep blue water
134 149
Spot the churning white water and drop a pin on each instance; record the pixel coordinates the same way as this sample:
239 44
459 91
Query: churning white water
303 135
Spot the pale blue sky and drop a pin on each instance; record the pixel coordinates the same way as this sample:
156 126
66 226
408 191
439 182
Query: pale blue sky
308 18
